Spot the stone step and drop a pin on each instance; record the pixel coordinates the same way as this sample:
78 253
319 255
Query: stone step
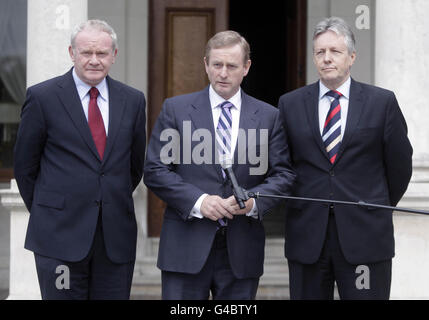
4 293
265 292
267 279
274 283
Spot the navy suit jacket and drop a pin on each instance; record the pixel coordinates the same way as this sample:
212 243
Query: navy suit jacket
185 243
374 164
62 179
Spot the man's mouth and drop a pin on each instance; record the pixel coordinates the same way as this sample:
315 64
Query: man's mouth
223 83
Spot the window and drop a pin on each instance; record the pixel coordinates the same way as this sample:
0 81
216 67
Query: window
13 44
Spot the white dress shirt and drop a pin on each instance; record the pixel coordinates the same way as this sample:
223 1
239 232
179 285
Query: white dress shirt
215 102
325 104
102 99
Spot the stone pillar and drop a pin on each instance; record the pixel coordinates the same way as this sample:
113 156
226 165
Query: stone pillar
48 36
23 283
401 46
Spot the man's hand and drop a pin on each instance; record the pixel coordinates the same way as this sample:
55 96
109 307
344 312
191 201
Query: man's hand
236 208
215 208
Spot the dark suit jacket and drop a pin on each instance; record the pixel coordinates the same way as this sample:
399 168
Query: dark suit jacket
185 244
374 164
62 179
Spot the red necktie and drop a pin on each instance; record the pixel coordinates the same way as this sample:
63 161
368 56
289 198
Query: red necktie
332 131
95 121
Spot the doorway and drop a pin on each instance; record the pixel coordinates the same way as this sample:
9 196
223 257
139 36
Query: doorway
277 37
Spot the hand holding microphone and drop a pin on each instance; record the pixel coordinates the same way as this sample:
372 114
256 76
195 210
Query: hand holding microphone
239 194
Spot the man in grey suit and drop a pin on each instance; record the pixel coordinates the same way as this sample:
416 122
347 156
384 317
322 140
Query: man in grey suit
207 242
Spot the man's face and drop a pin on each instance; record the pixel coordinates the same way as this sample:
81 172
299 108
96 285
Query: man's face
92 56
332 59
226 69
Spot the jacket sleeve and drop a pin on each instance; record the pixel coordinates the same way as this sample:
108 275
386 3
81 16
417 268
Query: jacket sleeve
159 169
280 176
29 147
397 151
138 147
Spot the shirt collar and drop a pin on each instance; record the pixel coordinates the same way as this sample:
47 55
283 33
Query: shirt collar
344 89
83 88
216 99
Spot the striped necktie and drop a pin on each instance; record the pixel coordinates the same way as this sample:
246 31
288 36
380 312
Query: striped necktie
223 131
223 139
331 135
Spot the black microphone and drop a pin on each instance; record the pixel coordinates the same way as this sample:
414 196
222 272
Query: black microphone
239 194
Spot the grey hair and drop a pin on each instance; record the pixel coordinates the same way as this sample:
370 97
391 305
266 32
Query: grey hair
226 39
340 27
99 25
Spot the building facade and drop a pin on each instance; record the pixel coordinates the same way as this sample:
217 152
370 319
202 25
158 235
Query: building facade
161 47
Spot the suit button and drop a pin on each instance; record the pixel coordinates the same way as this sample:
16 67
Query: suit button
332 174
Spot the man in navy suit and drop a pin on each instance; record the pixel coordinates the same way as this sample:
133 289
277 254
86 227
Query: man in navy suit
348 141
79 155
207 243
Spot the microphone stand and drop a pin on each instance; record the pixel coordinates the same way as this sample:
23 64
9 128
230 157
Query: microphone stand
359 203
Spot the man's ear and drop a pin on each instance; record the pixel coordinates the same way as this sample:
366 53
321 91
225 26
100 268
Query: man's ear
115 53
206 64
71 53
247 67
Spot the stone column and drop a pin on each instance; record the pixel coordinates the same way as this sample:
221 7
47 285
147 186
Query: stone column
48 37
23 283
401 65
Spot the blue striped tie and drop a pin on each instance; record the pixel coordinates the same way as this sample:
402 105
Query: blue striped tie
223 131
223 138
331 135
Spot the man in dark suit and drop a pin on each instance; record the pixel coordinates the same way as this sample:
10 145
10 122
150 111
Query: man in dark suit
207 243
348 141
79 155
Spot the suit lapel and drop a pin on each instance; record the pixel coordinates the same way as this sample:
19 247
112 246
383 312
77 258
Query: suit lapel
201 116
117 103
201 113
68 95
356 104
312 110
248 120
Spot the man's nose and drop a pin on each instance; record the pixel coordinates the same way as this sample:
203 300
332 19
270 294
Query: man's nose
224 72
93 59
327 57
